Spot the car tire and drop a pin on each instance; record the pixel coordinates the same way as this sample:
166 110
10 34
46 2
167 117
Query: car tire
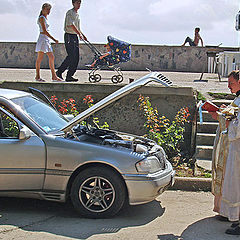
98 192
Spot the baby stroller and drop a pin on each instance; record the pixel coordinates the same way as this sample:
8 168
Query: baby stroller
120 52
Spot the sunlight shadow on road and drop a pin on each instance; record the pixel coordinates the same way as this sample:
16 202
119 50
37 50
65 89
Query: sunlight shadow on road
169 237
62 220
207 229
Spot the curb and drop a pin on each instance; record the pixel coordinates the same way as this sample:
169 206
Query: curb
192 184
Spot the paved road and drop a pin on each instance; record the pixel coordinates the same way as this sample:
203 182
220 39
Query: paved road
174 215
210 83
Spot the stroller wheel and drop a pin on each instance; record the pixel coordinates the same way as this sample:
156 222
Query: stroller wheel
120 78
97 77
92 79
115 79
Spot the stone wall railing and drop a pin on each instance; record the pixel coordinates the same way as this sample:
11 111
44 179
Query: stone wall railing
154 57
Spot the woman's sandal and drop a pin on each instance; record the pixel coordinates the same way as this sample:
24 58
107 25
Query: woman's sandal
40 80
57 80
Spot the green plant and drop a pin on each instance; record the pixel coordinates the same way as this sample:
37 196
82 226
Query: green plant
208 175
200 96
65 106
69 106
10 126
88 100
168 134
227 96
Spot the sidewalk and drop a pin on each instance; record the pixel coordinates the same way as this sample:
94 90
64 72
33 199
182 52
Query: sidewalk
210 81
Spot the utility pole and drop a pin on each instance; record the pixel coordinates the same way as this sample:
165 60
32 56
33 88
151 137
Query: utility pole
237 27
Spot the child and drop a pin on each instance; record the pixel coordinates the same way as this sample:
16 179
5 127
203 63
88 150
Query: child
98 61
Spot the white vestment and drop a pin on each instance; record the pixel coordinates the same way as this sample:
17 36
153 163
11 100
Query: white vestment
219 157
230 204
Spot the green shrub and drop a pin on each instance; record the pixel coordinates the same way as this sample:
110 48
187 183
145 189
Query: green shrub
168 134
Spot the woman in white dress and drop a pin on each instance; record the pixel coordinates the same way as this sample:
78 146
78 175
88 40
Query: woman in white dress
43 44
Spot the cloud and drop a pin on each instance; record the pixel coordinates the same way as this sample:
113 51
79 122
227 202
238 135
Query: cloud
137 21
30 8
164 15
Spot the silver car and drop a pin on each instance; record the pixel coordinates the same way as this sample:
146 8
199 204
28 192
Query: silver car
44 155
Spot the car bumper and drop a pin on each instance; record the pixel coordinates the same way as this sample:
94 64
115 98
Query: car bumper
143 188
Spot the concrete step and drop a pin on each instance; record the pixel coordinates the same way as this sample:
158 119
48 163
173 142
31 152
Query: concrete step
205 139
207 127
221 101
207 117
204 152
204 163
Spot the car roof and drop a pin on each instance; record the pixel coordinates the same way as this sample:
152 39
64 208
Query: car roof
10 93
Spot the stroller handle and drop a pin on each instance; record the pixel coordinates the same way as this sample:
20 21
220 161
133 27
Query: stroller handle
92 47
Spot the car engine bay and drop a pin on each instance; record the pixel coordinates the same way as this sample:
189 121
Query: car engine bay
118 140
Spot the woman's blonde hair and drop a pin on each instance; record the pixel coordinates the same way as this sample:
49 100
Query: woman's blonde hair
45 5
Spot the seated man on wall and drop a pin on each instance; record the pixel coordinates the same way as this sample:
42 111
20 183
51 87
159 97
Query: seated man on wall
197 37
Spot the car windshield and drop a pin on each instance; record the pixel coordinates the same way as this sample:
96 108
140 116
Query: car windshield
44 115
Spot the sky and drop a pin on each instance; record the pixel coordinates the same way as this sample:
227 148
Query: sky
158 22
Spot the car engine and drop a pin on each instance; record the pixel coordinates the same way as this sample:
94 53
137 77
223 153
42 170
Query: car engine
112 139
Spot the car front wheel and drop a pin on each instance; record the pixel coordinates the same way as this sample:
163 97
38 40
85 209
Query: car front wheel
98 192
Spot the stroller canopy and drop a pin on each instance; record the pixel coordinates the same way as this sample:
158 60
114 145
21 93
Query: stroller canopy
121 50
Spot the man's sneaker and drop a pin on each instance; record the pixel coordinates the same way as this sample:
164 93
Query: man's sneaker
71 79
59 75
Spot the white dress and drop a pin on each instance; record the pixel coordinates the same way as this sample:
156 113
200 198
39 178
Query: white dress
43 42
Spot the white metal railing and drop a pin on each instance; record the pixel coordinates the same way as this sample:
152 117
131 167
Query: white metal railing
228 62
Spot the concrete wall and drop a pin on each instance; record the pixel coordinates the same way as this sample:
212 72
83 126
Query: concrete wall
157 58
123 115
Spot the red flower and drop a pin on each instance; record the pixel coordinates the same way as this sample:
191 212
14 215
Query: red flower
88 99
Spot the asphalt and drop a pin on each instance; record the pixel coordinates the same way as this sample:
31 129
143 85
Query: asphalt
174 215
210 82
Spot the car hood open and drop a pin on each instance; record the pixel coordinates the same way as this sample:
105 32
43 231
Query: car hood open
151 77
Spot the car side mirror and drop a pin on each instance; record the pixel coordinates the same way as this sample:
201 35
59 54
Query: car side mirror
24 134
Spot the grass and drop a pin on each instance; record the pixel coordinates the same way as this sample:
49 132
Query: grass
188 172
221 95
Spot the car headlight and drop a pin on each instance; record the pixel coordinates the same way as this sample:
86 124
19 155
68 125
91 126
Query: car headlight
162 158
149 165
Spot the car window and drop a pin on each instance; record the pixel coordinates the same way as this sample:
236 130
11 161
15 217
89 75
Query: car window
8 127
44 115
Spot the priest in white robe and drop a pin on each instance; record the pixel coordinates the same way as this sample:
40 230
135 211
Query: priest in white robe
219 157
230 202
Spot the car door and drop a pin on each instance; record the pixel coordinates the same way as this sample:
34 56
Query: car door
22 162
